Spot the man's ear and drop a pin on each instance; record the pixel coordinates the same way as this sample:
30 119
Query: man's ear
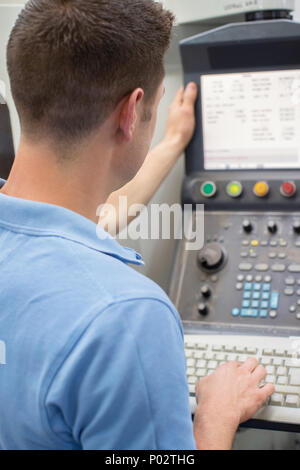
128 113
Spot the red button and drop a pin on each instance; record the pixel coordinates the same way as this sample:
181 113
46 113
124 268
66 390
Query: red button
288 189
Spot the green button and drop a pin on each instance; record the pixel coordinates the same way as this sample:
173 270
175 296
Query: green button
234 189
208 189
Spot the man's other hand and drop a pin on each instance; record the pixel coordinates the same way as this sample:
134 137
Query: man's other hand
181 118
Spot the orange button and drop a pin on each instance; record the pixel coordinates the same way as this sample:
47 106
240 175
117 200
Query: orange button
261 189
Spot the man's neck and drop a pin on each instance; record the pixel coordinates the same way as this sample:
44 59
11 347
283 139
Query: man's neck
38 175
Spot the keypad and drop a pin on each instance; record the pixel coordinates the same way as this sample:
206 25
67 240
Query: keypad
258 299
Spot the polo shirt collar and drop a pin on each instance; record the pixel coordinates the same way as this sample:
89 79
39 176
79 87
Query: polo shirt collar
42 219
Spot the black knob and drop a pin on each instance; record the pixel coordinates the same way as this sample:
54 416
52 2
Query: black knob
272 226
247 226
203 309
296 227
206 292
211 257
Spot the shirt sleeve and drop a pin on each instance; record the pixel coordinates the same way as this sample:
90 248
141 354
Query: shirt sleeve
123 385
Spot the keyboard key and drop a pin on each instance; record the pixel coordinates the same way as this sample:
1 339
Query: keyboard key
217 347
245 266
294 376
201 372
266 287
282 380
277 399
270 370
268 351
264 304
247 295
251 350
190 362
294 268
277 361
190 371
251 312
201 346
274 301
280 352
248 285
254 304
278 268
265 295
263 313
212 365
270 379
189 353
257 286
192 380
256 295
192 389
292 401
199 354
201 363
262 267
246 303
265 361
220 357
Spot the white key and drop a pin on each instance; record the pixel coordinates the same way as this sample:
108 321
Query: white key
217 347
281 371
292 401
265 361
280 352
190 362
294 376
268 351
188 344
240 349
212 365
210 371
231 357
208 356
277 399
282 380
251 350
201 363
192 379
292 362
270 370
201 346
270 379
190 371
220 357
228 348
242 358
188 353
198 354
192 388
201 372
277 361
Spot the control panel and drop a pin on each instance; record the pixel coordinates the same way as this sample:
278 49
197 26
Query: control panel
243 167
246 276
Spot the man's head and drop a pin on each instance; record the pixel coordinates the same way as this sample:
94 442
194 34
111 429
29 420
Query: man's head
72 62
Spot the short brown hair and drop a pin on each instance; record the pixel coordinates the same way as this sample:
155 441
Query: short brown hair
70 62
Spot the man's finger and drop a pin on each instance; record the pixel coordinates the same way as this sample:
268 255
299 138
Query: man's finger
266 391
190 93
179 95
250 364
259 373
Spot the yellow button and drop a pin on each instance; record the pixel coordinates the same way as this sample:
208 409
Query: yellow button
261 189
254 243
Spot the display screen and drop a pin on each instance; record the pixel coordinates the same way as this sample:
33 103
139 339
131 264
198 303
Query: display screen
251 120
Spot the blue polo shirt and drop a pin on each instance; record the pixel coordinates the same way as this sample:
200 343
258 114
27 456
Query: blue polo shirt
92 352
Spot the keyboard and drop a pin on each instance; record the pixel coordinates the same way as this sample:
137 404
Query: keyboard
280 357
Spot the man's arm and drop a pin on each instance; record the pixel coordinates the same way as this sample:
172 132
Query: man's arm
160 161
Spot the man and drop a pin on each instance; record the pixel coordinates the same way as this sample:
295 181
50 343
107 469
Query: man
94 350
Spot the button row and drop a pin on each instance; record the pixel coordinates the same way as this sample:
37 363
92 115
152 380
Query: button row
293 268
235 189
